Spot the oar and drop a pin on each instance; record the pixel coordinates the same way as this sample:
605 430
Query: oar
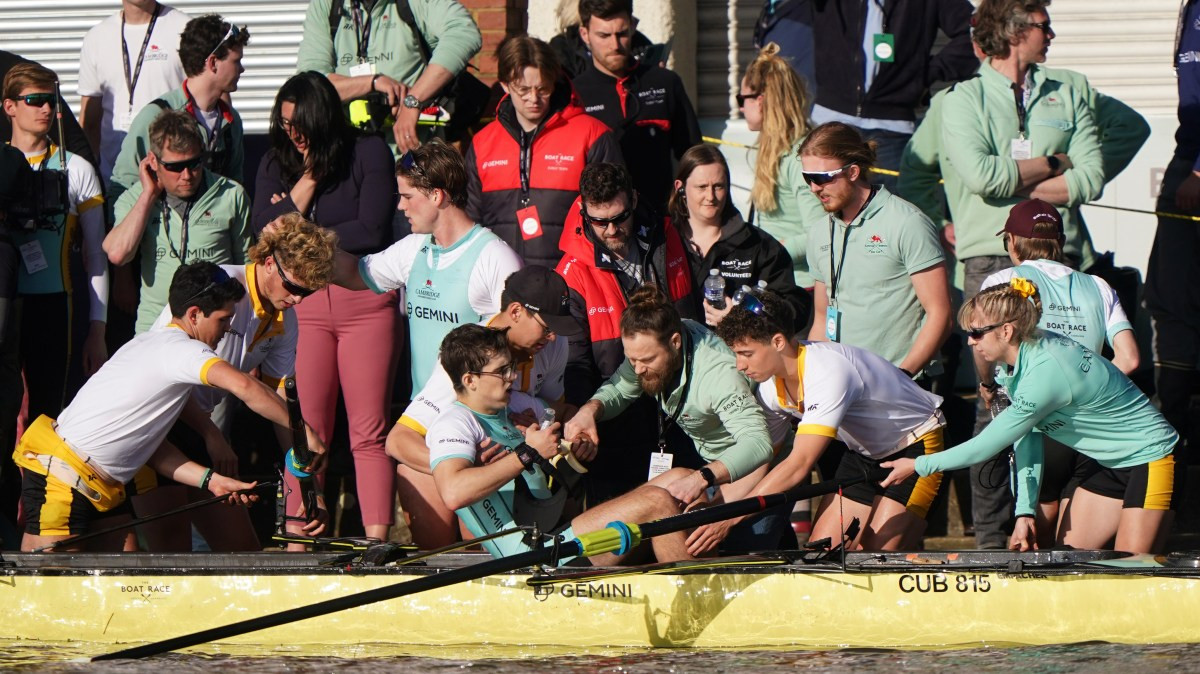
300 457
618 537
150 518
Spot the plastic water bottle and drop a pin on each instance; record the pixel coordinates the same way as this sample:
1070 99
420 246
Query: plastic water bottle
714 289
759 288
741 292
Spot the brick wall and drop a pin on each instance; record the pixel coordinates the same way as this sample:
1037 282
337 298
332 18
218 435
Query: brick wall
496 19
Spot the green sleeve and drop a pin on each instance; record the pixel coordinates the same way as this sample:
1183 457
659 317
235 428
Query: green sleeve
240 228
316 46
125 202
1030 452
743 420
918 243
1085 179
1122 130
134 149
964 142
621 389
920 168
450 31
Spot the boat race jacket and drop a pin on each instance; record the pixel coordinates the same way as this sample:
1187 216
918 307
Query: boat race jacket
1063 390
522 184
719 411
652 117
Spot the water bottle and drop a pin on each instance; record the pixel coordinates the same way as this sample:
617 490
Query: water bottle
759 288
741 292
714 289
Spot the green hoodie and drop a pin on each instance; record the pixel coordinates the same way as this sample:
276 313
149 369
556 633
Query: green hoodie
720 413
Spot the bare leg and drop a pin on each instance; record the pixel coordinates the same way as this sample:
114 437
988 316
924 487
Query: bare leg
1090 521
113 542
647 502
1142 530
432 524
835 516
891 527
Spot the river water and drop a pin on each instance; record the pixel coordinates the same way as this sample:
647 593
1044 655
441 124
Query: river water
1099 658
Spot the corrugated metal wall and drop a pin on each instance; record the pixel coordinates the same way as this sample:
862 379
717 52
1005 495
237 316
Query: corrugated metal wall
50 32
724 49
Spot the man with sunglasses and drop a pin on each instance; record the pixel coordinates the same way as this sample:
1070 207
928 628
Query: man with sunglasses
610 247
95 454
210 50
179 212
535 315
524 167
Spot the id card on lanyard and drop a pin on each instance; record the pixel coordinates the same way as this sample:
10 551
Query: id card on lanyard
661 461
125 119
1022 147
362 37
833 315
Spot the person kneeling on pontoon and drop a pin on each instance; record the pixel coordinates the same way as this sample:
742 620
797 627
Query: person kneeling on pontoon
80 468
1061 389
835 390
512 489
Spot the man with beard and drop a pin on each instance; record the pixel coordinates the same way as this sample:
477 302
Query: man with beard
878 266
693 376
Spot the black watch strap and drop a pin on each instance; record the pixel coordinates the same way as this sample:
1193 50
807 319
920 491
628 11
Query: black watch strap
1053 162
708 476
528 455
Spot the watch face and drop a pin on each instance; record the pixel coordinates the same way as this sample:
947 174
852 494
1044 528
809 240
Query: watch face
411 101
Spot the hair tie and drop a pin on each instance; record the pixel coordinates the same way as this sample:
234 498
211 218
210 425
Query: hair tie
1024 287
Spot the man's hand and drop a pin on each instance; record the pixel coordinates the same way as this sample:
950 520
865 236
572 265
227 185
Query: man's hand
405 128
688 488
523 419
395 91
707 536
489 451
901 470
544 440
316 525
582 426
148 177
713 315
220 485
1024 535
95 352
319 451
1187 197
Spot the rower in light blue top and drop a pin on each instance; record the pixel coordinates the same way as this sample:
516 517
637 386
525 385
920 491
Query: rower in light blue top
1075 396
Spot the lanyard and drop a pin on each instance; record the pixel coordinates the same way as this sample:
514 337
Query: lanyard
835 272
131 79
362 29
664 421
181 254
1019 99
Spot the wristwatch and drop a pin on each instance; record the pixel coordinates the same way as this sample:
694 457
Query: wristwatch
411 101
1050 159
708 476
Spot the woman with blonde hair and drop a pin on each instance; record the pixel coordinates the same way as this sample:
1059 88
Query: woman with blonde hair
1065 391
774 101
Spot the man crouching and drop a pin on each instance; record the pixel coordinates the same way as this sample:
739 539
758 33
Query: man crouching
513 488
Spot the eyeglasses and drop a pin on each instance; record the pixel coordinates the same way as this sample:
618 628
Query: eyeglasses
1043 26
286 124
506 372
603 223
219 277
742 98
522 91
823 177
38 100
408 163
230 34
191 163
288 285
978 333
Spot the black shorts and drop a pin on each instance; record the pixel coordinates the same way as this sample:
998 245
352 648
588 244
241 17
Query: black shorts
52 508
1152 486
1063 469
916 493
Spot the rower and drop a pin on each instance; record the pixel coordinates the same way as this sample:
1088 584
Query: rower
692 375
513 489
1066 392
80 469
831 390
533 317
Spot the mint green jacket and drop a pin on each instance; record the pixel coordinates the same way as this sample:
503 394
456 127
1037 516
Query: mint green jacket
797 209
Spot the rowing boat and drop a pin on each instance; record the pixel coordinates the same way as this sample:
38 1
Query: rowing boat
867 600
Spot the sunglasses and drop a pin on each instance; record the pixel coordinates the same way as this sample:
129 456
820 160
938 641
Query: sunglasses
288 284
408 163
978 333
603 223
38 100
823 177
1043 26
191 163
742 98
230 34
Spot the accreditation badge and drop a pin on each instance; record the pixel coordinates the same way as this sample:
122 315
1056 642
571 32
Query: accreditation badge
530 222
884 47
660 462
1022 148
833 323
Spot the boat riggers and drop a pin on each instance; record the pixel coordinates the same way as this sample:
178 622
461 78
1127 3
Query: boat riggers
609 539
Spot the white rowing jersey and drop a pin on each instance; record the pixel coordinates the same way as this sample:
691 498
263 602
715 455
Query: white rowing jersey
853 395
123 412
539 383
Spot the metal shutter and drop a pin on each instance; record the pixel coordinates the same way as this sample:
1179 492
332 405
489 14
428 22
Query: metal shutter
52 35
724 47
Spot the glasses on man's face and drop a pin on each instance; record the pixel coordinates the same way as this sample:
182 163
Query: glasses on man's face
523 91
978 333
38 100
230 34
288 284
1043 26
191 163
506 372
742 98
823 177
604 223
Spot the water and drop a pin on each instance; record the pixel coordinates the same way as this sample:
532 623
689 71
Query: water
1099 658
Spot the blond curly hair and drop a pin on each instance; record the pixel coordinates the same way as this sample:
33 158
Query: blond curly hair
303 247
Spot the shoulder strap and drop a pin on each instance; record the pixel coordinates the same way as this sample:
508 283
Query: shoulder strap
406 15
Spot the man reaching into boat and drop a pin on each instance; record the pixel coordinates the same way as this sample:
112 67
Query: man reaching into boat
82 466
831 390
515 490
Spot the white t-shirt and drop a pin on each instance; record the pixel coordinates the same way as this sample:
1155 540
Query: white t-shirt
254 341
853 395
540 382
102 73
123 413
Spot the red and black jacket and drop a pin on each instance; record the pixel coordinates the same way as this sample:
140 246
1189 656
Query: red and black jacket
653 119
509 170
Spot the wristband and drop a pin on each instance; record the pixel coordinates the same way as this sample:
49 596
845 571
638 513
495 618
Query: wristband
204 480
907 373
992 387
1020 516
709 478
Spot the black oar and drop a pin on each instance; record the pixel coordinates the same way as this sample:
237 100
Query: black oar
616 537
150 518
300 457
